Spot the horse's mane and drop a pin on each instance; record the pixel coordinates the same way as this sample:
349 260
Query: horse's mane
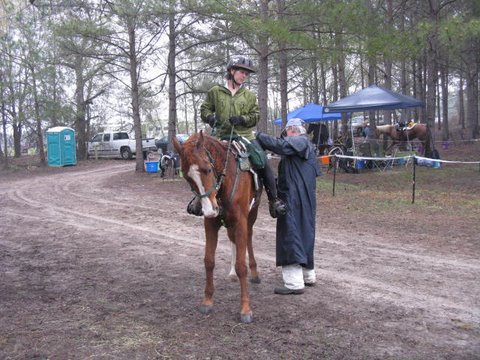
208 141
216 147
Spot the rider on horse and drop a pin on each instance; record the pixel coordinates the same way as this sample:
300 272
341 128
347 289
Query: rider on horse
233 105
401 125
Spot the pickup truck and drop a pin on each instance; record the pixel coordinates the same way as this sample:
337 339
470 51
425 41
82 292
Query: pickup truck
117 144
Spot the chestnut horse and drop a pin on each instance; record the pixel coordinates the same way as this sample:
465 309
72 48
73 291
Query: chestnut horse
229 197
417 131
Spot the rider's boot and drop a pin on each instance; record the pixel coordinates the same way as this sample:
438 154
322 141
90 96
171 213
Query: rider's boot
194 207
276 206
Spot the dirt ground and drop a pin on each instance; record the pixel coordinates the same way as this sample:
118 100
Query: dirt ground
97 262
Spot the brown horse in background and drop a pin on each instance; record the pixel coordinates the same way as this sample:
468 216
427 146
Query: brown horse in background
421 132
229 197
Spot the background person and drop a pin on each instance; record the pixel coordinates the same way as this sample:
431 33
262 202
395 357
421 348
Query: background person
319 136
232 104
295 235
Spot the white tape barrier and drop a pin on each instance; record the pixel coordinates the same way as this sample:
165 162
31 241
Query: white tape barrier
404 157
421 158
447 161
389 158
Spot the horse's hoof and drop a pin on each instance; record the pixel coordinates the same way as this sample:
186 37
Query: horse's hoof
246 318
233 277
255 280
205 309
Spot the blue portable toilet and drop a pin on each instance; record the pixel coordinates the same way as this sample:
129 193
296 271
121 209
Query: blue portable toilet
61 146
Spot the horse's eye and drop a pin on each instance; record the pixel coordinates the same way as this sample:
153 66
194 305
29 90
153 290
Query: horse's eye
206 170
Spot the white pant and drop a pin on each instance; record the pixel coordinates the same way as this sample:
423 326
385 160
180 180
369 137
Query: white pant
295 276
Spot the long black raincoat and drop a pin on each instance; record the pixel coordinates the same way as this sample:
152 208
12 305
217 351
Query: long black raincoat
297 174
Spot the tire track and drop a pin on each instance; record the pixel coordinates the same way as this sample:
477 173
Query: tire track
356 285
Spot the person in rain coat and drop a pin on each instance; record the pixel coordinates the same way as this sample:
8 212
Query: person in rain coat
295 237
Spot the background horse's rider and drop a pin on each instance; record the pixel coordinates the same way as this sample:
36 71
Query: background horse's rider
232 104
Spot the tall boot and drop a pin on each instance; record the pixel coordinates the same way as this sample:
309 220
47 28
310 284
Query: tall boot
276 206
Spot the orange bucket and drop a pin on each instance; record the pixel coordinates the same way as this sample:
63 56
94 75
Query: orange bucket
325 159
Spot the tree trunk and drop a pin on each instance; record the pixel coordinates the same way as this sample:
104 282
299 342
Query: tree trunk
432 70
472 103
461 102
388 65
38 120
80 127
263 72
445 129
4 127
137 124
342 82
283 68
172 98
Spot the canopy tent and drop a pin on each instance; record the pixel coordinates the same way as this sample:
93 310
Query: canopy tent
310 113
373 98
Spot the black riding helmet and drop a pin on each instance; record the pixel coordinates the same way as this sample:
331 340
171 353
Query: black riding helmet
241 62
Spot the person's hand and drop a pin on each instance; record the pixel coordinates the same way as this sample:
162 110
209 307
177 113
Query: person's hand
211 120
236 120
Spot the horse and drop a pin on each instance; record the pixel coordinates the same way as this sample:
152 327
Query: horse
417 131
229 197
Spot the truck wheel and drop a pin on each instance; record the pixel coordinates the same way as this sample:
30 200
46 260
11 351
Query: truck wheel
126 153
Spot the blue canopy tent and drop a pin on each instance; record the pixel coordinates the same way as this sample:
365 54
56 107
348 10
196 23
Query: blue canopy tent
310 113
373 98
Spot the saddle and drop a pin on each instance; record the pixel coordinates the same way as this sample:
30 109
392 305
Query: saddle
247 153
405 127
243 154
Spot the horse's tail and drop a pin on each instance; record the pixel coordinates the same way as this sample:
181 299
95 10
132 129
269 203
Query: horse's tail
429 147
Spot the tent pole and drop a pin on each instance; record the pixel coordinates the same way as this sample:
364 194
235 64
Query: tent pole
413 179
334 173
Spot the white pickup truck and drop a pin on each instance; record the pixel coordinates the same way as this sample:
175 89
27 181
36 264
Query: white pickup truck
117 144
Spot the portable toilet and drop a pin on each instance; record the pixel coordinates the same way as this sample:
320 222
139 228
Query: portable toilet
61 146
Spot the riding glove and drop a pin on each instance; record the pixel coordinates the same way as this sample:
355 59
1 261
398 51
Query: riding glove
236 120
211 120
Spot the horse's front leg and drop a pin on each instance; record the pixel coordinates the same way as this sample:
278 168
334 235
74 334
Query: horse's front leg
239 234
211 234
232 275
252 263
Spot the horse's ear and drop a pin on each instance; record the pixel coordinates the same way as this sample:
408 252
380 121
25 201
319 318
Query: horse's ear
200 140
177 145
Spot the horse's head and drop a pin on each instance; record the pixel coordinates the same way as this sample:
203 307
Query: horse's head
198 169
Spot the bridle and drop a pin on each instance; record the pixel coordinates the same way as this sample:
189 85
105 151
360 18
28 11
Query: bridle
219 178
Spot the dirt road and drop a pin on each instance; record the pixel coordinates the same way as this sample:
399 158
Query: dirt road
98 262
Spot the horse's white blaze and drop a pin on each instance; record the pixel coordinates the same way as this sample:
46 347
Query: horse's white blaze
207 207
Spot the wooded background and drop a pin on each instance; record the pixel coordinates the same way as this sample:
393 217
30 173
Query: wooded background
145 65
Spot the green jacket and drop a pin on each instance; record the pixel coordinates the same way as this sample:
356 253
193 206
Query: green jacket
220 102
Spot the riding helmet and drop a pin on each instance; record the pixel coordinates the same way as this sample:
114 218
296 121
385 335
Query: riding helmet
241 62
